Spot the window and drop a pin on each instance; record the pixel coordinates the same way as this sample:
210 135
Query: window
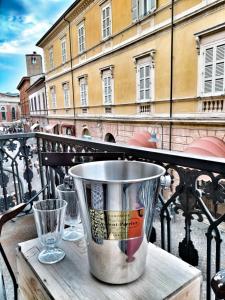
39 102
106 21
51 58
107 86
108 110
33 60
84 110
44 103
144 82
81 38
31 104
144 109
63 48
213 71
53 96
141 8
13 114
3 113
35 104
83 92
66 94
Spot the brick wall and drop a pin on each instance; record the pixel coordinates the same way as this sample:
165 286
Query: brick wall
182 134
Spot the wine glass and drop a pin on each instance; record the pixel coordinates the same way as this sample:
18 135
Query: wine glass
75 230
49 218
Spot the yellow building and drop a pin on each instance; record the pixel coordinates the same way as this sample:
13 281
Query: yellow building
115 67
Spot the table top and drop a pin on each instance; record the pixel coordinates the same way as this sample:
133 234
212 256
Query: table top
164 276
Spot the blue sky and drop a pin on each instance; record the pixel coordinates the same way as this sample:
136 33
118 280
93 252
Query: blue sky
22 24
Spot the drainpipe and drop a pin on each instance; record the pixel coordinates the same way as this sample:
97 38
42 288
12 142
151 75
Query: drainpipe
171 75
71 65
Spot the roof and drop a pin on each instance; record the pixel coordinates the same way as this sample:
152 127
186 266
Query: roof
57 22
37 82
23 79
10 94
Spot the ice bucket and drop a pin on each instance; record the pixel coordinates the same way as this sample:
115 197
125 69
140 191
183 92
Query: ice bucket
117 202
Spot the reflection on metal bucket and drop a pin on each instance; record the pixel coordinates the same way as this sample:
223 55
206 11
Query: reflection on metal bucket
117 201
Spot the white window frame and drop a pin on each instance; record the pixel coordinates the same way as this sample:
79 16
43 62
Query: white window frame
203 49
66 94
141 64
107 77
83 92
141 8
81 38
63 50
53 97
51 58
109 26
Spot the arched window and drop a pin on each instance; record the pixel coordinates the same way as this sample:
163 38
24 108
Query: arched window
110 138
3 113
86 134
13 114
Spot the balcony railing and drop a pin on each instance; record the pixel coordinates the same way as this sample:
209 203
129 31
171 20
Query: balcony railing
195 197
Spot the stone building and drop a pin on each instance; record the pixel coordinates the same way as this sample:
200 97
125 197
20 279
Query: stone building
114 68
29 85
9 107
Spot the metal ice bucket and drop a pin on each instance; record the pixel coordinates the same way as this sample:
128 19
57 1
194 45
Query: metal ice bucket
117 202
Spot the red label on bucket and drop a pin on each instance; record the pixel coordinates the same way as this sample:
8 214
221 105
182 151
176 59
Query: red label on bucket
116 225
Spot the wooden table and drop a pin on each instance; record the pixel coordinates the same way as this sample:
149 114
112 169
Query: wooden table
166 277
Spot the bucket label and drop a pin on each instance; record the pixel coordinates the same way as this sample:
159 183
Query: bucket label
116 225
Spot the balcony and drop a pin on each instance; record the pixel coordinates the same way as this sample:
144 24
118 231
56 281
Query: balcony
190 212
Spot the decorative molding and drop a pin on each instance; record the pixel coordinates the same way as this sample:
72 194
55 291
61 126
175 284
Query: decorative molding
104 2
79 21
211 30
85 76
151 54
110 67
197 41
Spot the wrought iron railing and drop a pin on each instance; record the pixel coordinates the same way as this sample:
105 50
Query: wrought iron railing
196 195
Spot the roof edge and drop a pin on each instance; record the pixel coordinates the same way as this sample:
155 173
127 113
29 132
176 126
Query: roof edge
38 81
22 80
57 22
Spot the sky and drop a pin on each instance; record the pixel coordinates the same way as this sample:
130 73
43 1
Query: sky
22 24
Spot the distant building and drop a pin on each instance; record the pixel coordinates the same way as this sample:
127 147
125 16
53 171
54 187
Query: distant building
9 107
24 100
28 86
38 104
114 68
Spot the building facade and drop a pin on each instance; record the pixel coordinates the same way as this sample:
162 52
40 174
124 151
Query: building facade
114 68
29 84
24 100
38 104
9 108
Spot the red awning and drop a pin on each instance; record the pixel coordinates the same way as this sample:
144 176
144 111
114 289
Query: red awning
208 146
142 139
49 128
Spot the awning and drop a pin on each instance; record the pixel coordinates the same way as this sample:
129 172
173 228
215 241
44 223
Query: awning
67 125
70 126
34 126
49 128
143 139
207 146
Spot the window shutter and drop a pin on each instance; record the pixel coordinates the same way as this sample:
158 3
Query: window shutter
153 4
208 71
134 10
141 8
219 69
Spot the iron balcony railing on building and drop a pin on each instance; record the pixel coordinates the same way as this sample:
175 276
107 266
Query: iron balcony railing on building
190 212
